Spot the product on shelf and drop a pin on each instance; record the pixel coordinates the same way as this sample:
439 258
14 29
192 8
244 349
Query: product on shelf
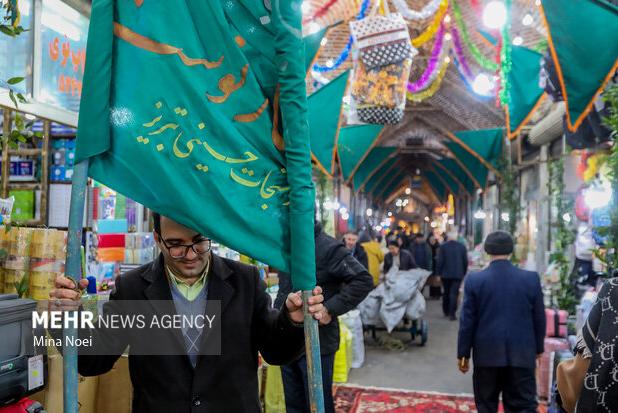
47 258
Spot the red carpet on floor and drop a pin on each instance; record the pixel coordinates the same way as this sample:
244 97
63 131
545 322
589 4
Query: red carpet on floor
355 399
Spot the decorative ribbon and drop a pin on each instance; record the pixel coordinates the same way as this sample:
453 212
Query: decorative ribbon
431 30
466 80
480 58
458 49
505 57
427 11
432 65
348 47
321 11
431 90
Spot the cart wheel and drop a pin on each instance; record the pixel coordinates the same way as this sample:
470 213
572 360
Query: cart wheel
424 332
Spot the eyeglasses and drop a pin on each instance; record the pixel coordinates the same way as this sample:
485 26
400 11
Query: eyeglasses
180 251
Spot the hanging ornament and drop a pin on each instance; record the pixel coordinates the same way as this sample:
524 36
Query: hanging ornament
321 11
427 11
480 58
458 49
432 65
431 30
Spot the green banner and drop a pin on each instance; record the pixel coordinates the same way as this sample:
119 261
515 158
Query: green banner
436 184
392 185
457 171
582 39
178 113
312 46
354 144
525 92
384 172
479 150
324 113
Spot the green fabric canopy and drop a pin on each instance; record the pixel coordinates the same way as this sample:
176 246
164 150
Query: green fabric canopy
380 175
374 161
324 112
190 94
437 185
478 150
451 185
391 186
312 46
525 91
354 144
582 39
452 166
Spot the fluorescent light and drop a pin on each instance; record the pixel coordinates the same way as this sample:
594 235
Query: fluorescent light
480 214
390 214
527 20
448 37
29 116
518 41
494 15
408 191
369 212
447 59
330 63
447 19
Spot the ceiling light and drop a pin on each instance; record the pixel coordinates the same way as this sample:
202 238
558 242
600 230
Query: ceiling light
324 41
390 214
494 15
447 19
314 28
480 214
448 37
483 85
369 212
408 191
518 41
330 63
505 216
447 59
527 20
426 219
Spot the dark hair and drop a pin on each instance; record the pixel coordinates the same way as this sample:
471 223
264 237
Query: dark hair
419 235
156 221
351 232
394 244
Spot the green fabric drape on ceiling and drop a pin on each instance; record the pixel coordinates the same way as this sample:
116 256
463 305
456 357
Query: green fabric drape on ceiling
437 185
312 46
485 143
525 91
353 144
380 175
451 185
324 112
452 166
582 38
376 159
190 94
392 186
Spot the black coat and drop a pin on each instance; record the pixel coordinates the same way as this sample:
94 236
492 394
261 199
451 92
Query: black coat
452 260
344 281
361 255
406 261
223 383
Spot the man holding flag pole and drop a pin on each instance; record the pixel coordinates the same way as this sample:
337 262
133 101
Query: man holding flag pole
198 111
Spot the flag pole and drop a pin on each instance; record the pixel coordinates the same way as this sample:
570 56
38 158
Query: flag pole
314 360
73 270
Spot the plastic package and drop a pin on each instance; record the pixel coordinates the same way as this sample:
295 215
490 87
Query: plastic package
382 61
6 209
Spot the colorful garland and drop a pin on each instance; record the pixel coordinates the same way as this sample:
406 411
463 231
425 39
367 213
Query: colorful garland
458 49
348 47
431 90
432 65
427 11
480 58
505 57
433 27
321 11
467 81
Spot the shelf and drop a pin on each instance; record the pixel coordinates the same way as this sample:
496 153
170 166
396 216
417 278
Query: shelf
25 152
60 182
24 186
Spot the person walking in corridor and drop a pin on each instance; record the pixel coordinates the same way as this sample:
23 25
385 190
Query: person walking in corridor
350 240
375 255
503 325
345 283
421 252
452 268
398 257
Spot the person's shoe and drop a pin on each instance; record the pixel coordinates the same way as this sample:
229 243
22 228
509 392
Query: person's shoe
453 318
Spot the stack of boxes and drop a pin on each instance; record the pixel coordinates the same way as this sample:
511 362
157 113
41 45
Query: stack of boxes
63 160
139 248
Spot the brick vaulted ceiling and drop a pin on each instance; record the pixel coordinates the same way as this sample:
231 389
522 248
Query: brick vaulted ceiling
454 107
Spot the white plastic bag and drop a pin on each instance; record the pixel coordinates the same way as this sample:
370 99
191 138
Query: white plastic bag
352 320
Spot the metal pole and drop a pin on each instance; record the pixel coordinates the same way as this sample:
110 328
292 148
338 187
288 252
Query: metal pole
314 361
73 270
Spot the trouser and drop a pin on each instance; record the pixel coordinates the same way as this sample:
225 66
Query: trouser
517 385
450 295
295 387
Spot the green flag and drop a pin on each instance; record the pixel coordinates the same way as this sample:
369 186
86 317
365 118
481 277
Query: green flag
525 93
440 190
391 185
478 150
355 143
312 46
324 112
458 173
179 112
582 38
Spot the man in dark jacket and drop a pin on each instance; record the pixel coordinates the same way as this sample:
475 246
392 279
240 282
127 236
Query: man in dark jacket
452 268
345 283
503 323
187 275
421 252
399 257
350 240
